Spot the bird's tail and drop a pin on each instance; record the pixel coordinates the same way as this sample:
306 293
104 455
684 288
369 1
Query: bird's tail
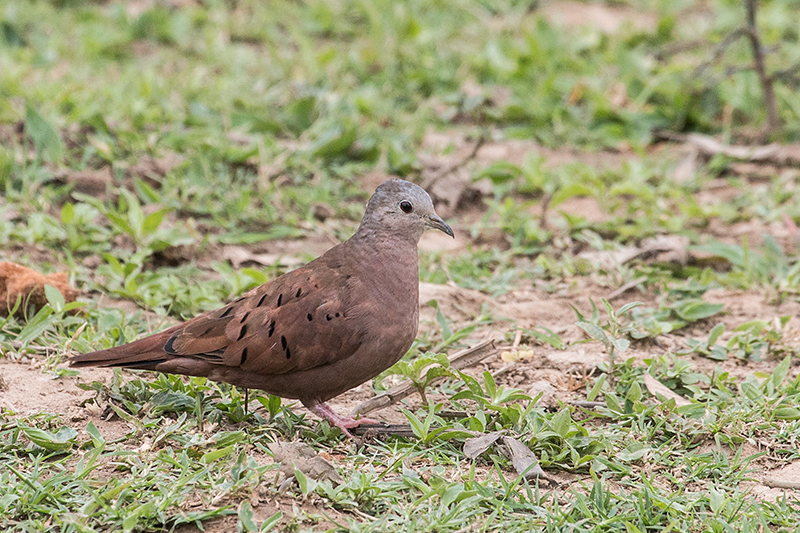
145 353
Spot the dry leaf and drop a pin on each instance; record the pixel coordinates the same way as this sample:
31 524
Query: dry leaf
524 460
477 445
301 456
657 388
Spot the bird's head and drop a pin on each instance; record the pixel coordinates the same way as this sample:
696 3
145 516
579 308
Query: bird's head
401 208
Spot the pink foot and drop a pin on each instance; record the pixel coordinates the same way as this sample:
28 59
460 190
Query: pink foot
342 422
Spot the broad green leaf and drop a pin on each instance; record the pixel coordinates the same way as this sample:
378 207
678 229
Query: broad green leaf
716 331
627 307
94 433
781 371
561 422
620 344
67 213
213 455
64 439
594 332
42 320
334 142
153 221
697 310
54 298
246 516
596 388
570 191
45 137
786 413
271 522
634 393
500 172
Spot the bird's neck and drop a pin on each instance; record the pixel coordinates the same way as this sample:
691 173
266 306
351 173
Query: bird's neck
386 261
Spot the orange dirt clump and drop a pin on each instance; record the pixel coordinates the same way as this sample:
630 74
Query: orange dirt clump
17 280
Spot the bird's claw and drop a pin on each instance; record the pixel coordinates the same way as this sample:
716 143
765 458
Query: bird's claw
342 422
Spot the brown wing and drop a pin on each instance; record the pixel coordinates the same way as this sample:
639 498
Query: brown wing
293 323
298 321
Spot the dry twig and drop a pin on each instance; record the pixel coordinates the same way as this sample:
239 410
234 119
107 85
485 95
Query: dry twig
455 166
782 484
770 154
761 69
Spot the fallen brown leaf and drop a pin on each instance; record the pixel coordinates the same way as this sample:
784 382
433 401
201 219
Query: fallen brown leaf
301 456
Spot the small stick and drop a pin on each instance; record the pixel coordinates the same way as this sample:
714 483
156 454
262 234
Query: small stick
781 484
462 359
517 339
374 430
760 68
504 370
708 147
452 168
719 50
586 405
625 288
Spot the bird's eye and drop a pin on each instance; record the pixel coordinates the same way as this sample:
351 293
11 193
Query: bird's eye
406 206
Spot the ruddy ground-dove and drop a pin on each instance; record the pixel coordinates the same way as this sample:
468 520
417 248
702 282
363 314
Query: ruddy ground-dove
317 331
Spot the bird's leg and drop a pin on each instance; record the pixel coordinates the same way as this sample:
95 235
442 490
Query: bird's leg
323 410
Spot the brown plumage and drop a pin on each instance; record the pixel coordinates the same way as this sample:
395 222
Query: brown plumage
317 331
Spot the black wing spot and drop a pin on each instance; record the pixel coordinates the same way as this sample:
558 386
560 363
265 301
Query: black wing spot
244 356
280 297
309 317
244 317
271 329
288 355
261 300
283 342
328 317
168 346
337 315
298 293
242 332
226 312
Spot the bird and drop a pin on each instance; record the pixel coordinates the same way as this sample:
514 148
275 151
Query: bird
314 332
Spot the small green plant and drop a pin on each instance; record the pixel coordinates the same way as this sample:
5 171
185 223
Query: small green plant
492 397
751 341
768 266
678 309
421 370
708 348
612 332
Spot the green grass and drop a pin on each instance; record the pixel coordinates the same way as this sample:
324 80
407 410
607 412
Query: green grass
217 124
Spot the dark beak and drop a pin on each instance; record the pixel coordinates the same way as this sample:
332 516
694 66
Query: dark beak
436 222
